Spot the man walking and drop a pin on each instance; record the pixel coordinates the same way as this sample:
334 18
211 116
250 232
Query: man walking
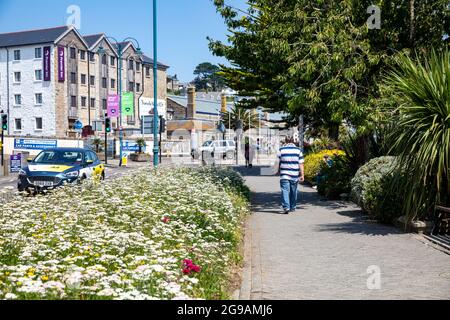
291 170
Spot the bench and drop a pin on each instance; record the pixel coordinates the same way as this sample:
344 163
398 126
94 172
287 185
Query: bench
441 221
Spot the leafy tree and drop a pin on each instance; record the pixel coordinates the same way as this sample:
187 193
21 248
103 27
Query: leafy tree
319 59
207 77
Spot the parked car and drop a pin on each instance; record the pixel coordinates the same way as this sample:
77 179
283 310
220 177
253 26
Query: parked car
54 167
224 148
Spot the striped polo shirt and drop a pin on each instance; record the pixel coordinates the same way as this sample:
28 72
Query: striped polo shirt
290 158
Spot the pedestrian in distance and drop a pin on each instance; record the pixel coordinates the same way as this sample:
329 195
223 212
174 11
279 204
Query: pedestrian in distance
292 172
249 153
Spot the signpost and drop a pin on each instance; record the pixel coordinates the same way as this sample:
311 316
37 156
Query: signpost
15 163
78 128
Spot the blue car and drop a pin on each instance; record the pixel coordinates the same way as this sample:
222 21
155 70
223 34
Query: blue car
53 168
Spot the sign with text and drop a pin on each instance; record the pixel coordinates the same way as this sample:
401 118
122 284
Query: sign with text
146 106
147 125
113 106
47 63
128 104
129 146
32 144
15 163
61 65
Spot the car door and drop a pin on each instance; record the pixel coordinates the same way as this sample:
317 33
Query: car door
88 166
98 165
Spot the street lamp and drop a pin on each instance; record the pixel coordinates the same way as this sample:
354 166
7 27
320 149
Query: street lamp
102 51
155 87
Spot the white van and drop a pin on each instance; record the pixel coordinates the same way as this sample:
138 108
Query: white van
226 148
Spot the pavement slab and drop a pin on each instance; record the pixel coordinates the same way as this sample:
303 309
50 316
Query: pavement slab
330 250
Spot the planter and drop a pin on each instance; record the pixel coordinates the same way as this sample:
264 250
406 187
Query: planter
140 157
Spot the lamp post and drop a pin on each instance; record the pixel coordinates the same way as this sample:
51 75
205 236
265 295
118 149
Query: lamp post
102 51
155 86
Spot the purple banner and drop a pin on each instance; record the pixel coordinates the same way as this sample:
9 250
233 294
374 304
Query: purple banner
47 63
113 106
61 65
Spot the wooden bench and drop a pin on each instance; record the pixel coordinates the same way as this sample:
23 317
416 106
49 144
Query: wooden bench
441 221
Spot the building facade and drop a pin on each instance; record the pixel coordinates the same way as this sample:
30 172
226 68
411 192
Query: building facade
51 78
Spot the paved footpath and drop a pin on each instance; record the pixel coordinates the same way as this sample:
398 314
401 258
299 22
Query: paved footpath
324 250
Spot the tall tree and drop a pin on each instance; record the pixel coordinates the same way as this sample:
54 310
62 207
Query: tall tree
318 58
207 77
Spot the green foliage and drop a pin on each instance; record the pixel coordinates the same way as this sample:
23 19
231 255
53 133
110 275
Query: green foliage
318 58
421 137
208 77
141 143
249 118
313 163
336 179
370 189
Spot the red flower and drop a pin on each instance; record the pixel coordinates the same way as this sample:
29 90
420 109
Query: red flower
166 220
190 266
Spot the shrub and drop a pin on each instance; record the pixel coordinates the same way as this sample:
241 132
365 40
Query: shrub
370 189
337 178
313 162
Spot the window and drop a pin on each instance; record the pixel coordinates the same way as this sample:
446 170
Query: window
104 83
138 66
113 61
38 53
131 65
73 77
92 103
18 99
104 61
131 86
83 102
138 87
73 101
38 75
92 81
18 124
17 77
113 83
147 71
39 124
82 55
38 98
92 56
104 104
73 53
83 79
17 55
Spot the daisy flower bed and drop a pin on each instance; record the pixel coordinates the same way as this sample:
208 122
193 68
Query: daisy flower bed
164 234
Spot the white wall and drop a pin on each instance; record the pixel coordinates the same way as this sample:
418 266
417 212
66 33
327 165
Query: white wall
28 88
3 98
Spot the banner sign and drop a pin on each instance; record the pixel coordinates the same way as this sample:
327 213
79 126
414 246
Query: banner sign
128 104
31 144
113 106
61 65
146 107
15 163
47 63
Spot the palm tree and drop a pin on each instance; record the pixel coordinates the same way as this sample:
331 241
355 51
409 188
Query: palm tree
249 118
421 137
140 142
97 142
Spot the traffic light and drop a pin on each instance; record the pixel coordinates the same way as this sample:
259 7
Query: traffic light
4 122
108 125
162 124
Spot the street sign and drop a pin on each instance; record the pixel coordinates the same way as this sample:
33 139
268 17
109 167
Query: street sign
32 144
15 163
128 103
78 126
130 146
113 106
147 124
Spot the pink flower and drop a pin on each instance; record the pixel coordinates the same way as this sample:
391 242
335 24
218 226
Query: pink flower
190 266
166 220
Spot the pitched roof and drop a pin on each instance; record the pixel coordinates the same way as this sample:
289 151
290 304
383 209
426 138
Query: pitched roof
148 60
32 36
92 39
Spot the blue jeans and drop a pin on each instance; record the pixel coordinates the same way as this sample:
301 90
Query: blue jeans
289 194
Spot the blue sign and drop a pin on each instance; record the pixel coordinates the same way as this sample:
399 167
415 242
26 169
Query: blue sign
16 163
32 144
78 125
131 147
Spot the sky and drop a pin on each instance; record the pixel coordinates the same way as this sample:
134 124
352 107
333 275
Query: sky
183 25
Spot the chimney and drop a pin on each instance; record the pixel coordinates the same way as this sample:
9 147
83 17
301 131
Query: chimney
191 110
224 103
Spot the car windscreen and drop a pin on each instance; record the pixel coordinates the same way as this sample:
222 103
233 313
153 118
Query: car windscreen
207 143
59 157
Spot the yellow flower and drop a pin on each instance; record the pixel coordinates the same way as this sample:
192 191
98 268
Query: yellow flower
44 278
